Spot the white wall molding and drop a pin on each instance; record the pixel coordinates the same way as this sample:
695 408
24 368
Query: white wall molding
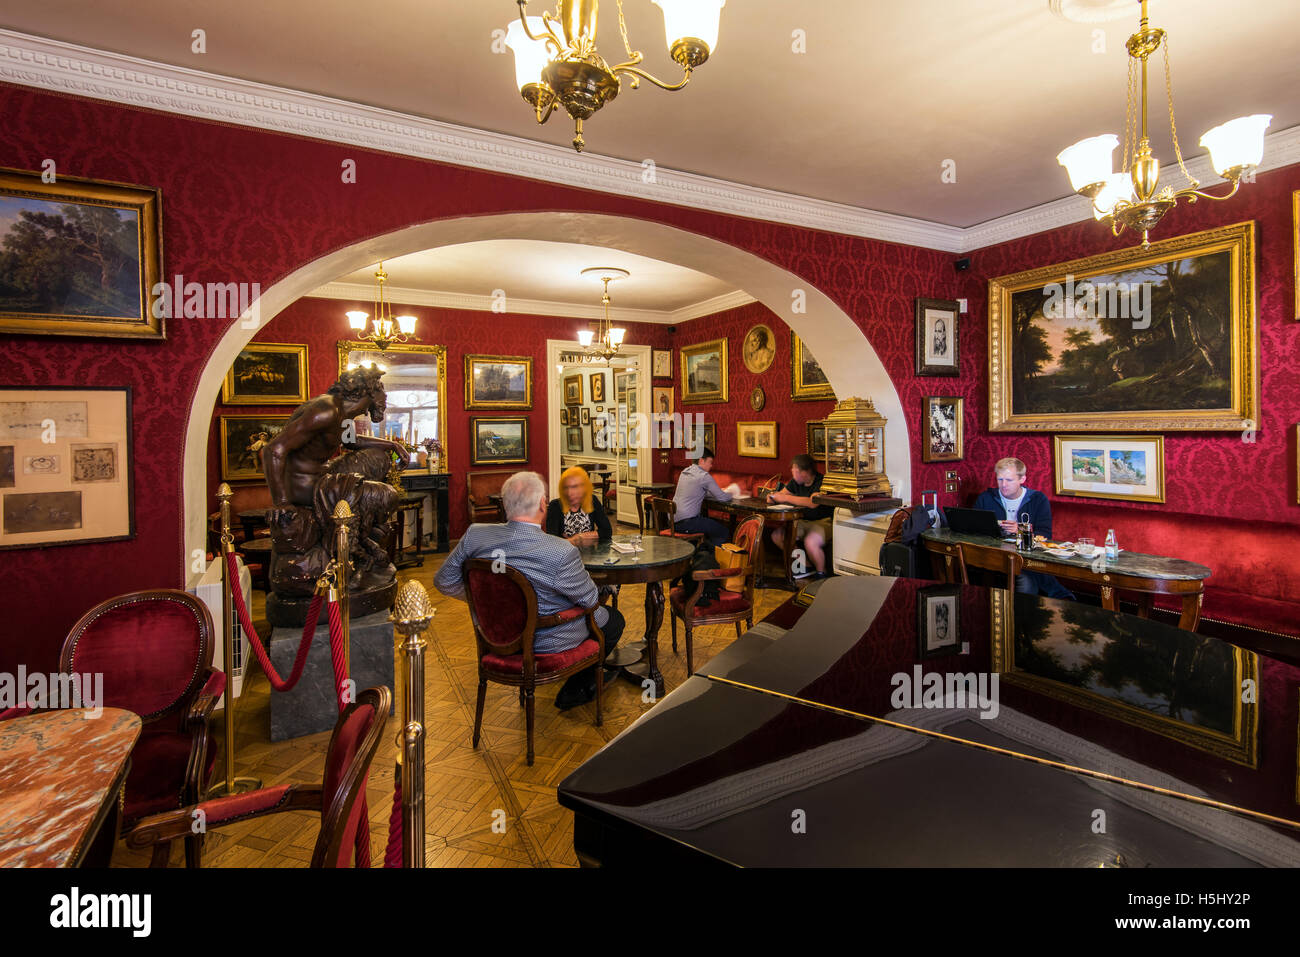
68 68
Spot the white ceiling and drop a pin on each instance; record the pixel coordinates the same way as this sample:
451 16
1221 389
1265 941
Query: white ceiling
885 93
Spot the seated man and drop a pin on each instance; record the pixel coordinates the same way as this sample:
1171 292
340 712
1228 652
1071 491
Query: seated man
551 565
814 529
693 487
1011 501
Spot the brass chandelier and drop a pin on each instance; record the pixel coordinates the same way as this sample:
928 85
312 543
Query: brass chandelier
1132 197
556 60
384 328
603 344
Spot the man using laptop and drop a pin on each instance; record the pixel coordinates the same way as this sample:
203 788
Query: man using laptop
1009 502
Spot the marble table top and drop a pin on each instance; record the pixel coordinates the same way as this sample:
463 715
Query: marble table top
1129 563
57 772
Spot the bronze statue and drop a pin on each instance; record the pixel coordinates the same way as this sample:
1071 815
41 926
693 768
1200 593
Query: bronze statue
307 478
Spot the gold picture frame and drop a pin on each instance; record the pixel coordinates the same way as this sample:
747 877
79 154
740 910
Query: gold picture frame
129 308
245 376
943 430
573 389
243 437
704 372
1018 307
757 440
1130 468
484 388
808 383
511 442
758 350
398 355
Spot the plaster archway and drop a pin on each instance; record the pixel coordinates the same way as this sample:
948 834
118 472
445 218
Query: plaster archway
845 355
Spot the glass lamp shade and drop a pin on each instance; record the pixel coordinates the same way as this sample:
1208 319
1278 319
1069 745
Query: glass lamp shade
357 320
616 336
1089 161
692 18
1118 186
585 336
406 324
530 55
1237 143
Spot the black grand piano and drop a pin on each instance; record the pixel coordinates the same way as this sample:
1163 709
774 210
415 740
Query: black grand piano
895 722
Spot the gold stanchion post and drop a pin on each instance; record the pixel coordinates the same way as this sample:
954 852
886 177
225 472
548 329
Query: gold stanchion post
343 522
412 614
232 784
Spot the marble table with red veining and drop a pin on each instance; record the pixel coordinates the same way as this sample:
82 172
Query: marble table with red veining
60 775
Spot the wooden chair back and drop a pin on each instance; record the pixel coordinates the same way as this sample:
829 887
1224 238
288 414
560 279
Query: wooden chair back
352 747
502 607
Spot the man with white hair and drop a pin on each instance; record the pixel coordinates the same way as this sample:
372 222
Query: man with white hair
554 568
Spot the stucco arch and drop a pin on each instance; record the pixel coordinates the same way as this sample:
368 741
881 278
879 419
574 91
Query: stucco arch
840 346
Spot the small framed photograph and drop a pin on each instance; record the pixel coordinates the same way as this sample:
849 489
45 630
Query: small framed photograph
586 416
938 620
936 337
756 439
267 373
663 401
242 439
499 441
498 382
598 387
573 389
1127 467
573 439
807 380
704 373
942 428
758 349
662 363
65 466
600 429
564 415
817 439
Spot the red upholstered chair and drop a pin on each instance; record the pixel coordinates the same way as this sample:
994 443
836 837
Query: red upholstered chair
661 519
352 747
154 649
503 607
732 606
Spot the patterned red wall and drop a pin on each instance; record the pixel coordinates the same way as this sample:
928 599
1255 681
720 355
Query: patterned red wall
320 324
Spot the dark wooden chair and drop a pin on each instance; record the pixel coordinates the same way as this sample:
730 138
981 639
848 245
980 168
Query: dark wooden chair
503 608
661 519
1006 561
731 606
154 649
352 747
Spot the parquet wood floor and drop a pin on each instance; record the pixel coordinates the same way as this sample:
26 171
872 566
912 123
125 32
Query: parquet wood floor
467 791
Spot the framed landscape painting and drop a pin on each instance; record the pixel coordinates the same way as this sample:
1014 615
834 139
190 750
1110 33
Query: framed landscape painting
1128 467
502 441
1149 340
498 382
79 257
704 373
266 373
817 439
807 380
242 439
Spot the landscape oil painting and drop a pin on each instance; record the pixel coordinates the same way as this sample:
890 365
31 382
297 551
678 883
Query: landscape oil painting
1154 340
1127 467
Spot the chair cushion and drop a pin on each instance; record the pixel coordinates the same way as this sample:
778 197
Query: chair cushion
729 604
546 664
157 774
223 810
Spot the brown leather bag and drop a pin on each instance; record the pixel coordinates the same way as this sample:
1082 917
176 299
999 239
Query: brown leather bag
732 556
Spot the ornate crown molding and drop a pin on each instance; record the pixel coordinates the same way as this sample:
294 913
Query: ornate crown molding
82 71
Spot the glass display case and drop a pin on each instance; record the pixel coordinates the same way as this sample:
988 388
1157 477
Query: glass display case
855 450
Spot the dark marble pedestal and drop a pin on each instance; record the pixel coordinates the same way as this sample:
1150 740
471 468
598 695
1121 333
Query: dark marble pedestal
311 706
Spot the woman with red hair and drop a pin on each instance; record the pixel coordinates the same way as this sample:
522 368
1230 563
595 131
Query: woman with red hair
576 515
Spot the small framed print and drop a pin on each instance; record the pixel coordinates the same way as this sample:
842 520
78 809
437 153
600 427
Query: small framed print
586 416
65 466
817 439
942 428
499 441
1127 467
598 387
698 436
573 438
938 620
756 439
498 382
663 401
662 363
267 373
564 416
936 337
573 389
600 429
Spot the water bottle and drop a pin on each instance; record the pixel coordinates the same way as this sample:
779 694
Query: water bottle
1112 546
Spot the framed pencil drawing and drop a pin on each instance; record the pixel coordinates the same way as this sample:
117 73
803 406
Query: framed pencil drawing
936 337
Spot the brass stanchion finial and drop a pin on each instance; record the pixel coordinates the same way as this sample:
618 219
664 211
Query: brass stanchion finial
412 614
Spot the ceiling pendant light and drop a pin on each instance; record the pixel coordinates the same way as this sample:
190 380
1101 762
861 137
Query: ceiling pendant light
385 330
603 344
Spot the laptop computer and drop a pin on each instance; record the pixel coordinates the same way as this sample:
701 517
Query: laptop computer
974 521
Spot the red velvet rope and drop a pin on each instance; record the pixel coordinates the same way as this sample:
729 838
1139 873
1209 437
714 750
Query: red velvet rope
246 620
393 855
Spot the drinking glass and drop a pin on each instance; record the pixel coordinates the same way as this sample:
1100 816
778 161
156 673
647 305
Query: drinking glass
1086 547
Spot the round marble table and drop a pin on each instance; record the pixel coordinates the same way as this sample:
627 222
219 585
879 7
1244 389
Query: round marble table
661 558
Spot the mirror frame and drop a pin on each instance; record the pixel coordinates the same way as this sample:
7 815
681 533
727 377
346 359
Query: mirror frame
349 346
